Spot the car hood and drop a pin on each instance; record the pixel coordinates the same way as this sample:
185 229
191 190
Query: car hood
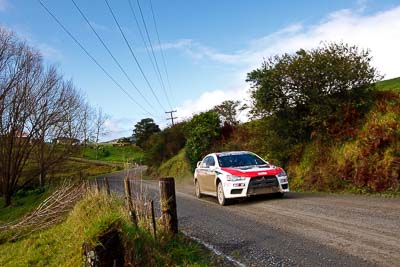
252 172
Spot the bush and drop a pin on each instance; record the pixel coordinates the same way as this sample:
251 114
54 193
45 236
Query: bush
201 132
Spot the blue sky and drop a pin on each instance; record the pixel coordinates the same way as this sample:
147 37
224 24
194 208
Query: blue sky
209 46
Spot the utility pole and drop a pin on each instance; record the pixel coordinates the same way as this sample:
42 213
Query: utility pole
172 117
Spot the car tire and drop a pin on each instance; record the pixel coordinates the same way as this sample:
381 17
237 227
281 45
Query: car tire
279 195
197 190
220 195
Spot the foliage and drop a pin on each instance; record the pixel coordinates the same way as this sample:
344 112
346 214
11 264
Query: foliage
89 219
369 162
309 91
165 144
143 130
228 112
201 133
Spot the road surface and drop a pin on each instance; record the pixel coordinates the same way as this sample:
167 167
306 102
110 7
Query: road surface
297 230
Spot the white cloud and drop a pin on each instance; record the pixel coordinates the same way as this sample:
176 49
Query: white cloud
379 32
209 99
4 5
117 128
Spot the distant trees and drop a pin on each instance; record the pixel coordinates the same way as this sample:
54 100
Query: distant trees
143 130
36 106
163 145
310 91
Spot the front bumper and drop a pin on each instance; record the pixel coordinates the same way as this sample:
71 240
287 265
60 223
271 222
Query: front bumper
255 186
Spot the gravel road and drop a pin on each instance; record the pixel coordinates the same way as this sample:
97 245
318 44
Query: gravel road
297 230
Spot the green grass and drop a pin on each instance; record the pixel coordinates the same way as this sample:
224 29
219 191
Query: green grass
109 153
61 245
177 167
392 84
27 199
23 202
71 168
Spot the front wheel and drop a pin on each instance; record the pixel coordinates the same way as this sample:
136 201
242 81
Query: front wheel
220 195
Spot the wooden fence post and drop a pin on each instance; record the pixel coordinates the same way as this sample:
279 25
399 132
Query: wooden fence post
153 219
168 204
128 194
107 185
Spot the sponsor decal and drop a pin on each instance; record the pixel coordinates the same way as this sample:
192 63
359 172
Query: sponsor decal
250 174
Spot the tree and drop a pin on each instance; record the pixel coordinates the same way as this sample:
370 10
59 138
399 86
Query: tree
99 122
228 112
165 144
143 130
309 91
36 105
202 131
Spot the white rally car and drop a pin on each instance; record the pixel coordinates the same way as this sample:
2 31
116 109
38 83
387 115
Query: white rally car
238 174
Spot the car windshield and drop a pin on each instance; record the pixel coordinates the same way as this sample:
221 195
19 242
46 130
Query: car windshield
239 160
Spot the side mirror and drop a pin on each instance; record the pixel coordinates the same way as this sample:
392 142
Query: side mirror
212 168
198 164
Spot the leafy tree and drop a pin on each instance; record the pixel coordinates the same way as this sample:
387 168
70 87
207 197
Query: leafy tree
143 130
202 130
227 111
309 91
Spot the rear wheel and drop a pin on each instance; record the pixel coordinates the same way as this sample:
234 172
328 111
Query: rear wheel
220 195
197 189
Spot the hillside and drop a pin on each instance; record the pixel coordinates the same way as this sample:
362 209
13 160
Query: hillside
366 162
366 159
389 85
110 153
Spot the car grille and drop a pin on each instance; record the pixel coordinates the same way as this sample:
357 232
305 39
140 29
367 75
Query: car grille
263 181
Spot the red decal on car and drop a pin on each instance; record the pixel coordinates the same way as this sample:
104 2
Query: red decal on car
250 174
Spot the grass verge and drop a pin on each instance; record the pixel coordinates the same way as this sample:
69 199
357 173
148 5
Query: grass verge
61 245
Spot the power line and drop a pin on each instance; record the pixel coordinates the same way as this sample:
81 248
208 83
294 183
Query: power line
111 54
161 49
91 57
145 45
152 51
133 54
171 116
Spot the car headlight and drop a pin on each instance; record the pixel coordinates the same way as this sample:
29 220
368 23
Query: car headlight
234 178
282 174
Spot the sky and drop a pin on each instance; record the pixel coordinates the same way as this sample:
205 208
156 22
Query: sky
203 49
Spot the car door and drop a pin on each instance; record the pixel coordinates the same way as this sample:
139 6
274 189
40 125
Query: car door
209 176
202 171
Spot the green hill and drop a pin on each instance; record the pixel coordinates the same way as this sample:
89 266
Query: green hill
110 153
392 84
